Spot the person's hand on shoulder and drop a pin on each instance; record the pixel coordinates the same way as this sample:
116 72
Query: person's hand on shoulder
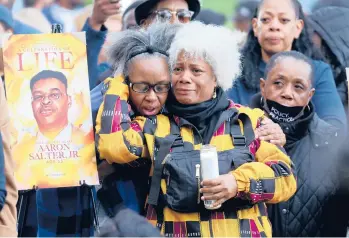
270 132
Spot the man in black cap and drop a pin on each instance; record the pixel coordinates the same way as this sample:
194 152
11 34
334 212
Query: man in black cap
243 14
167 10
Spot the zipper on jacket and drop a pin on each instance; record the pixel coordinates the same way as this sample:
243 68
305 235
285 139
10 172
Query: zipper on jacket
197 173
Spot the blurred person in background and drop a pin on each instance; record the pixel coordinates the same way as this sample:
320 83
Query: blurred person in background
128 17
330 27
316 209
281 26
18 26
63 12
38 4
112 23
126 21
96 32
329 3
8 214
81 18
6 27
32 15
208 16
308 5
243 14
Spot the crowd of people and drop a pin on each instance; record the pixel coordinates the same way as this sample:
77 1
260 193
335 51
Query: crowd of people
166 78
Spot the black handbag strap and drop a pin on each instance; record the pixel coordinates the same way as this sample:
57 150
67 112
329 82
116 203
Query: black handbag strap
241 140
162 149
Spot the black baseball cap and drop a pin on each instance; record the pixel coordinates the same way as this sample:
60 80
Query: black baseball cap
143 10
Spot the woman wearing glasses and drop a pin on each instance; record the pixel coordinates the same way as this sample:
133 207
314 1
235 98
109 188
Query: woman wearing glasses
199 113
141 59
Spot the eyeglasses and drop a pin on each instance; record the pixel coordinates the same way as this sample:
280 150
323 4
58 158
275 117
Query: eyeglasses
50 96
145 87
183 16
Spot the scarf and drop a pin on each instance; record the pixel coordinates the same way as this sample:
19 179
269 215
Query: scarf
295 130
203 116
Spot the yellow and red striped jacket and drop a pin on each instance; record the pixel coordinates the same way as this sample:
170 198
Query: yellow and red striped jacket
121 140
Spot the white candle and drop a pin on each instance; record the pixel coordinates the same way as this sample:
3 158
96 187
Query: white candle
209 168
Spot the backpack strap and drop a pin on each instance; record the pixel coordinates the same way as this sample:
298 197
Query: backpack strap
162 149
239 140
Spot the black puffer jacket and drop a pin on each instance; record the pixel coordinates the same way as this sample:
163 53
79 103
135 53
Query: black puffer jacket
316 209
332 25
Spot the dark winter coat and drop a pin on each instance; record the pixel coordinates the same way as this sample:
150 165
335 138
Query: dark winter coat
316 209
332 25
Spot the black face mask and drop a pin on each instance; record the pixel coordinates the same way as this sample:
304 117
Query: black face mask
280 113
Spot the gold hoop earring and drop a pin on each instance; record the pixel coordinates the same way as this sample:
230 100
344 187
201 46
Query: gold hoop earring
214 93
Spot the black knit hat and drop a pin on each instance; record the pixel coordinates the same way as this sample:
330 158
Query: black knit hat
143 10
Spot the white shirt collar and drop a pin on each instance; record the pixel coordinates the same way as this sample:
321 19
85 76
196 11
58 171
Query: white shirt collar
64 135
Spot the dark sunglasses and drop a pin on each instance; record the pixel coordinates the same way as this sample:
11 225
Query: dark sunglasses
183 16
145 87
